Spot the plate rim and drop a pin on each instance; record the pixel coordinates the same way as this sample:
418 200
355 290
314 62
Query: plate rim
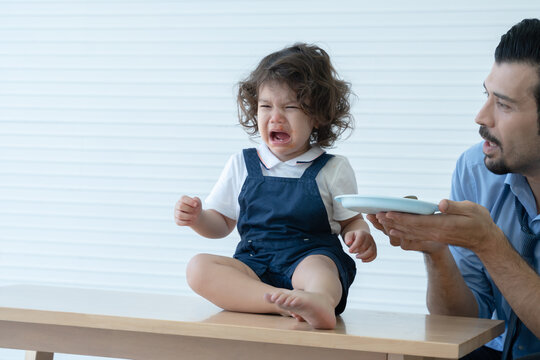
426 204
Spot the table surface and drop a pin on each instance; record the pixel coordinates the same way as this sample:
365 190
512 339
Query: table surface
362 330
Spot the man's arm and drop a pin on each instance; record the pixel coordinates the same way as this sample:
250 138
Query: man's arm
469 225
517 281
447 292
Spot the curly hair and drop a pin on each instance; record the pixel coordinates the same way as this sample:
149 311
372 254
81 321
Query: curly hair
307 70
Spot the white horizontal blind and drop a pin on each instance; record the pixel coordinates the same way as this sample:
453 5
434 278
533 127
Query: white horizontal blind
111 110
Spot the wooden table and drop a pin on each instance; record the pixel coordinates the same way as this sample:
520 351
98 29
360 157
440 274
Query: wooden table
48 320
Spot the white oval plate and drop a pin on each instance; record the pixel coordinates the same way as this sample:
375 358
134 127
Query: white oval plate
375 204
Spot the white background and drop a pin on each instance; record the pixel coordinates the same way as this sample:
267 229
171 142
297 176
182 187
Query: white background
111 110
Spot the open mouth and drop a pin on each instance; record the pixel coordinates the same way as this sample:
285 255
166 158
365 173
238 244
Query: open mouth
279 137
489 148
484 133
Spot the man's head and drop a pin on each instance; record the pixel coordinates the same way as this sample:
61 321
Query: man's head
510 119
521 44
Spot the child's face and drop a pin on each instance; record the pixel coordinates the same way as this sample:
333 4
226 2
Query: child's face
283 126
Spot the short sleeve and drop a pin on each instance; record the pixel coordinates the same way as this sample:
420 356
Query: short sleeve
224 195
463 182
341 181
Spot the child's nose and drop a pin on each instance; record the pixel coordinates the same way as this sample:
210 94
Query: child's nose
277 116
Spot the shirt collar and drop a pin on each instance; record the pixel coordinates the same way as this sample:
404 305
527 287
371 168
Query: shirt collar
521 189
269 160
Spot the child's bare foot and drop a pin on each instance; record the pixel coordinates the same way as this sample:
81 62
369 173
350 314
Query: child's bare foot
314 308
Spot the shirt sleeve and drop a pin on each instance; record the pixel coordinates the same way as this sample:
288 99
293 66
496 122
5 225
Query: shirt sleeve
470 266
463 182
224 195
342 181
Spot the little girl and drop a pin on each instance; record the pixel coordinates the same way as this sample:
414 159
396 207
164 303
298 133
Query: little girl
281 198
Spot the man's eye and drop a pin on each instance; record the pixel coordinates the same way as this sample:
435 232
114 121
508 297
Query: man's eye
502 105
264 106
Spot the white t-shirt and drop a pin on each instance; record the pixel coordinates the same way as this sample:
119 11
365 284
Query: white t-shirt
335 178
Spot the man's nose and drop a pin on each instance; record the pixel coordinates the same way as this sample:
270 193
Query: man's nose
485 115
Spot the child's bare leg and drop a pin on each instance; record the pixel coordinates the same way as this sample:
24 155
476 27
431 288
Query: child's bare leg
317 291
229 284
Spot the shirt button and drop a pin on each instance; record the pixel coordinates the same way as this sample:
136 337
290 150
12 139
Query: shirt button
521 347
250 254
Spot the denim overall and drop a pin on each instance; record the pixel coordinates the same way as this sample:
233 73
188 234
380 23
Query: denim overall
282 221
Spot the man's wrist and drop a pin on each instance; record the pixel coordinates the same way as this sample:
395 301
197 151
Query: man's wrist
492 245
437 256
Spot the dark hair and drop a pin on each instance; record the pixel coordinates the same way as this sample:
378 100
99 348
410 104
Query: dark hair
522 44
307 70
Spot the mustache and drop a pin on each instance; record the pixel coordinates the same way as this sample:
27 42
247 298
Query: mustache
484 133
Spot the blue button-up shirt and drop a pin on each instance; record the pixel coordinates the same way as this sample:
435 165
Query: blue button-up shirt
473 181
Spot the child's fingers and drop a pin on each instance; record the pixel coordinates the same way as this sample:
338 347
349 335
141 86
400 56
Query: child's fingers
361 243
187 201
349 238
186 210
368 255
183 218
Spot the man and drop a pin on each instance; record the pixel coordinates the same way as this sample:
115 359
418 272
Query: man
481 252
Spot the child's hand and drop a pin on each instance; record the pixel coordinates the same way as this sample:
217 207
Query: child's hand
187 211
361 243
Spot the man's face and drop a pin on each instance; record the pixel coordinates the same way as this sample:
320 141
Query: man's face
509 120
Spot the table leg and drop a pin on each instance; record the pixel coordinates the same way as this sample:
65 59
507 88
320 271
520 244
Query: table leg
38 355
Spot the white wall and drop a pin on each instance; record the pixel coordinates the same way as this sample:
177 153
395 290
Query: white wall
111 110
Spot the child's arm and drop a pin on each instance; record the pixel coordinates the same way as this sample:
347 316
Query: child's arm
208 223
355 233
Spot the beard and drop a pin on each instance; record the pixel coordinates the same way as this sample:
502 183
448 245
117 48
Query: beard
496 166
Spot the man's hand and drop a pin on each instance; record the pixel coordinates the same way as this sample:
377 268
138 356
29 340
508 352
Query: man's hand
462 223
385 225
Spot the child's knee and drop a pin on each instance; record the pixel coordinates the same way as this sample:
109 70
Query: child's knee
195 270
319 262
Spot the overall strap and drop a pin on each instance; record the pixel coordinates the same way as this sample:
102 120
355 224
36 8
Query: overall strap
253 163
316 166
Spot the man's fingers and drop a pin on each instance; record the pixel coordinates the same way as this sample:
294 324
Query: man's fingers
453 207
375 222
394 241
464 208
